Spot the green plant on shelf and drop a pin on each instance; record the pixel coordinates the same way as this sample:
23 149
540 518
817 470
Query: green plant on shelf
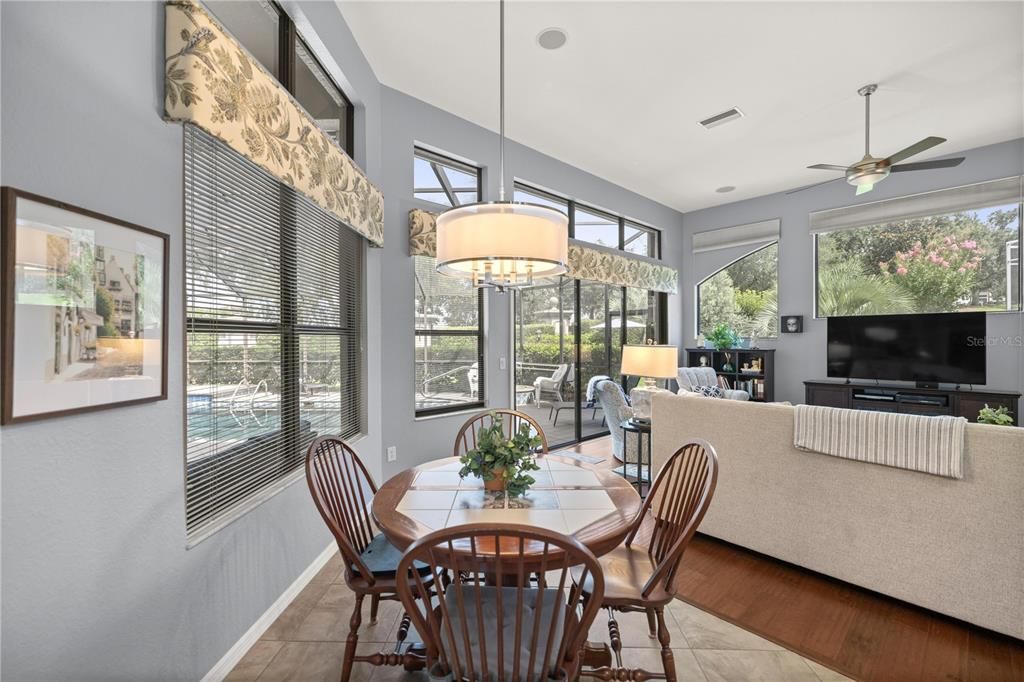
1000 416
723 337
503 463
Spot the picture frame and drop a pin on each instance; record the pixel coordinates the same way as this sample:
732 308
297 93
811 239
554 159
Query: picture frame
84 309
791 324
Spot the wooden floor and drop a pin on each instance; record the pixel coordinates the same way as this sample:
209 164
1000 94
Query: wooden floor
859 633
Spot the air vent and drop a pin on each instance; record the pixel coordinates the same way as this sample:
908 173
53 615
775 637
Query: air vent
724 117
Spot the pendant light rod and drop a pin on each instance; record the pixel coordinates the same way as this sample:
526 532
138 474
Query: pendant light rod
501 100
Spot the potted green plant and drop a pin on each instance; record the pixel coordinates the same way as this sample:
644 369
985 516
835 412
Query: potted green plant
723 337
999 417
502 463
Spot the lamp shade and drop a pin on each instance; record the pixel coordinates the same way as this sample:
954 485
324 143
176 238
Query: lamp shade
502 243
656 362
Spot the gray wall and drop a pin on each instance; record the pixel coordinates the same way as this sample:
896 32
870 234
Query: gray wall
96 581
408 121
801 357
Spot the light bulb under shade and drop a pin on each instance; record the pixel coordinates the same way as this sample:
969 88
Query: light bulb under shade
654 361
512 241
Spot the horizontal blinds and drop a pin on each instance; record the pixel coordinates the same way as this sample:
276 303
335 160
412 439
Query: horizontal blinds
274 311
938 202
737 235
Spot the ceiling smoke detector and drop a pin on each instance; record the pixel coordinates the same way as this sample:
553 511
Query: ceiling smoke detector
722 118
552 38
725 189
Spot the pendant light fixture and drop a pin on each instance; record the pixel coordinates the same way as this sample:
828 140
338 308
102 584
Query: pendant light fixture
502 244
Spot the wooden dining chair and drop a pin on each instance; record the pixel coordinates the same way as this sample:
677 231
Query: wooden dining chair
343 490
510 422
495 624
639 574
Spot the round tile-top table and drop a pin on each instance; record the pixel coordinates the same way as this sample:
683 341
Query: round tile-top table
595 506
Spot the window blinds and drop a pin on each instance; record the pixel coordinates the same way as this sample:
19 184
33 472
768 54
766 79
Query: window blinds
274 291
938 202
737 235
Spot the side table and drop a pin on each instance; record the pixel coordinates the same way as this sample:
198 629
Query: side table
642 432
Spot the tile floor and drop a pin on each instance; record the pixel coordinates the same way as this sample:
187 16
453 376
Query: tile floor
307 642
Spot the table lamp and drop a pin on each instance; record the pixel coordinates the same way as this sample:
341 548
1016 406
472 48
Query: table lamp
650 362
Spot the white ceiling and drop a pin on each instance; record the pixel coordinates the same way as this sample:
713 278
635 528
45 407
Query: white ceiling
622 98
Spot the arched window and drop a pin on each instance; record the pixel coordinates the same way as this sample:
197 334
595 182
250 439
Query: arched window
742 295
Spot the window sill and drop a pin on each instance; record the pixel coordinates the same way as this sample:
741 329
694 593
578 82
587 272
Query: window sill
473 408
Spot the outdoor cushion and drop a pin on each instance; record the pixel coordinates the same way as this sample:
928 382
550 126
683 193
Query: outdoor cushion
489 603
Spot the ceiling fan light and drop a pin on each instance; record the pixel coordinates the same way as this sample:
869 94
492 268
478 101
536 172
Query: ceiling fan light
503 244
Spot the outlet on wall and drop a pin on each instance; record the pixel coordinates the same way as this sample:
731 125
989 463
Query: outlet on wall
502 364
392 453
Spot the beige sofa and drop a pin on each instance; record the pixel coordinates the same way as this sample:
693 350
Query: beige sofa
953 546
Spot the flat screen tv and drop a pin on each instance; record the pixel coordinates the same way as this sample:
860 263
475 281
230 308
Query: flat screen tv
927 349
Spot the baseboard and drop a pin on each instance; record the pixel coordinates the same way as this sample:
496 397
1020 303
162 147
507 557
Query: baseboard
228 662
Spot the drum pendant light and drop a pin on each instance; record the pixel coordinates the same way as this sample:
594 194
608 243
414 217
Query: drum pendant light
502 244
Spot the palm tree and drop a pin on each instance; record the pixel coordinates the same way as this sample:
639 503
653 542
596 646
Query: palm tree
844 289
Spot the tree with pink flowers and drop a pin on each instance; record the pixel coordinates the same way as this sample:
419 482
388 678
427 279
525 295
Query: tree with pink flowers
938 273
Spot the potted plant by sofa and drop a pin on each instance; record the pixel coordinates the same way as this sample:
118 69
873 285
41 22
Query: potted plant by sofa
999 417
502 463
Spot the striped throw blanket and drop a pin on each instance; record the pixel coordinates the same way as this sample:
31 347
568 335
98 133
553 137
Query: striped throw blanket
934 445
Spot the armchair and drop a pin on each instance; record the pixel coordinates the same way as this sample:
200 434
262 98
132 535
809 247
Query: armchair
552 384
689 378
616 410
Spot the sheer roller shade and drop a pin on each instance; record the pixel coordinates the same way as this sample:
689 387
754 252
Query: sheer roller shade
738 235
274 290
938 202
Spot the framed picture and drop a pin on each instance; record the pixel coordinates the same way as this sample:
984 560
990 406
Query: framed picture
792 324
84 310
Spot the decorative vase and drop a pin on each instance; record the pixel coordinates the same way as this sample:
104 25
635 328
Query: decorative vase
497 482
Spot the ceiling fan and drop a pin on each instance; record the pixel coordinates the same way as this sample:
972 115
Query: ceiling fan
870 170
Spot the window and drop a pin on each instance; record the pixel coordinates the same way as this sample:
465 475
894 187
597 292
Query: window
270 35
449 336
321 98
640 240
444 181
743 295
274 291
595 226
570 331
959 261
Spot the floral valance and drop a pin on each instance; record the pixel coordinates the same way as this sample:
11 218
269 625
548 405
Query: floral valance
586 261
213 82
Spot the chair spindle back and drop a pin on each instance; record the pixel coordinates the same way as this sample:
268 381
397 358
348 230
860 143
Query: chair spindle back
510 422
343 491
493 623
677 503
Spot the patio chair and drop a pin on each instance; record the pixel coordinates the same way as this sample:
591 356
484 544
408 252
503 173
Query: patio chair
553 384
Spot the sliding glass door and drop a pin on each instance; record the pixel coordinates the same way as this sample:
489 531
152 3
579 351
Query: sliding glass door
568 335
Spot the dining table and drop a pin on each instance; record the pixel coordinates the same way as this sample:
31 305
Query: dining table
596 506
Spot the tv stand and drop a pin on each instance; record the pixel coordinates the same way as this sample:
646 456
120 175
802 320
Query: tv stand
908 399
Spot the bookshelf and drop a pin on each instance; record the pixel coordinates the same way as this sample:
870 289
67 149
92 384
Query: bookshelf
729 363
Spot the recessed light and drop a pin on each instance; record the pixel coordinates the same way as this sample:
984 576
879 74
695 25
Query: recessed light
725 189
552 38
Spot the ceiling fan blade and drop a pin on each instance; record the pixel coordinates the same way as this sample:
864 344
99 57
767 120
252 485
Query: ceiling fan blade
864 189
817 184
928 165
916 148
828 166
